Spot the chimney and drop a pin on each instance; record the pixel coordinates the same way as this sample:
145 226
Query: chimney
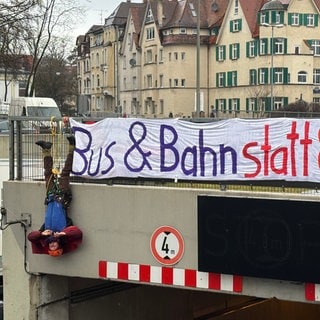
160 12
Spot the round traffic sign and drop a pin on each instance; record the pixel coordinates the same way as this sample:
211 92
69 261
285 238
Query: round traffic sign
167 245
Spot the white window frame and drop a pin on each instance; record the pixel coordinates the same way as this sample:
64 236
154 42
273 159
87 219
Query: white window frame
233 78
252 45
262 75
234 104
221 50
295 20
316 47
236 7
278 103
310 20
149 56
302 77
279 46
252 105
149 80
221 77
253 77
234 51
278 75
235 25
262 48
160 55
316 76
150 33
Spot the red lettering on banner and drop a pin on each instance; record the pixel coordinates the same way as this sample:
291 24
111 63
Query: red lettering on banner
283 152
305 142
249 156
266 148
278 160
293 136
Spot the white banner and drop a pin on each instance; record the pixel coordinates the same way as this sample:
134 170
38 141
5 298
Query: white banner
235 149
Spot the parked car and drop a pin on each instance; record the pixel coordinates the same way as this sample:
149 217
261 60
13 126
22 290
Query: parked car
26 129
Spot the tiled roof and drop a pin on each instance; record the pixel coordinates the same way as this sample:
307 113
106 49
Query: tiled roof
183 13
119 15
215 17
317 3
94 28
250 10
137 13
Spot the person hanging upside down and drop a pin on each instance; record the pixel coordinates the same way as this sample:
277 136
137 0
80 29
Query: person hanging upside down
57 235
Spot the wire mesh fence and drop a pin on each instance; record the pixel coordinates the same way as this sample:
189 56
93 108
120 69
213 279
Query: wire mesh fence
25 162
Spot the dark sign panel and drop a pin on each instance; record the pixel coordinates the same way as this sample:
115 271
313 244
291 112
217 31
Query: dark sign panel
265 238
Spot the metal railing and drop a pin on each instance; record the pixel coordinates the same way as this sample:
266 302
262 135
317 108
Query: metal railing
25 162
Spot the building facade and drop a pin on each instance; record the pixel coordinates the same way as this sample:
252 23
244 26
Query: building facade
157 58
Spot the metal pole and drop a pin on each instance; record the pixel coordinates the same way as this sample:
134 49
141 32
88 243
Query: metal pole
198 63
117 68
272 74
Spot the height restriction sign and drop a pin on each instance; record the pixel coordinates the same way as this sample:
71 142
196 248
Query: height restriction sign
167 245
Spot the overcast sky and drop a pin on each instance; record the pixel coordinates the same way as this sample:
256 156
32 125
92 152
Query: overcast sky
96 12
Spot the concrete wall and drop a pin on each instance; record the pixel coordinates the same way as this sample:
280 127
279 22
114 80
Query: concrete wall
117 222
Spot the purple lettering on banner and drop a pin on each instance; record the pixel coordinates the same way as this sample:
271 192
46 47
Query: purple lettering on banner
88 161
97 169
168 147
203 151
192 151
82 152
108 156
136 147
223 151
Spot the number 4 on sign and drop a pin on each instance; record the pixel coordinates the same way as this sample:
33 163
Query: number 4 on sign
167 245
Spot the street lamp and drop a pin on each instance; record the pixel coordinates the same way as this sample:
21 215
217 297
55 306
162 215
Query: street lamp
279 25
214 7
273 11
198 63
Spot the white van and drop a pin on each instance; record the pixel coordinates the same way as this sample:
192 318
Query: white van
34 107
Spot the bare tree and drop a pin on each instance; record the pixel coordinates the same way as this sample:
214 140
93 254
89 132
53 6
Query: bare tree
36 24
11 49
14 11
52 18
258 93
57 78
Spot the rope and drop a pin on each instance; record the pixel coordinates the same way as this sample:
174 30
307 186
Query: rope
55 190
56 160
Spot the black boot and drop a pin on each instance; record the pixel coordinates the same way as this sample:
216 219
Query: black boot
72 140
46 145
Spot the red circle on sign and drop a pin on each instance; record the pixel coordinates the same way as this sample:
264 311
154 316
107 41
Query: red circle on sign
172 245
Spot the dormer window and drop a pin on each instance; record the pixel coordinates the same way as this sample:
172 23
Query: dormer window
193 11
149 17
235 25
236 7
150 33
